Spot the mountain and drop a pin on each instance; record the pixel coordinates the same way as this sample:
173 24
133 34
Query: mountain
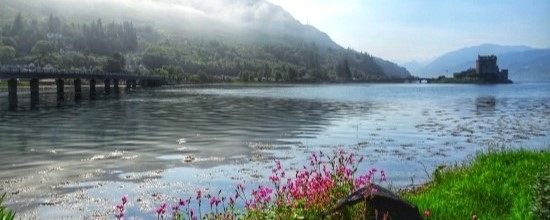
256 32
190 18
523 63
412 66
392 69
523 66
455 61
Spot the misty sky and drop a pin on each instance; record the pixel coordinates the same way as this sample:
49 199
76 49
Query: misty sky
401 30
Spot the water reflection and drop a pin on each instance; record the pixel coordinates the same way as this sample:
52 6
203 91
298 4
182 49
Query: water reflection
154 139
486 104
149 124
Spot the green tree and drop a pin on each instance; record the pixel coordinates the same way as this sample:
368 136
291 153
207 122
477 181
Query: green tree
115 63
266 71
6 53
347 71
244 76
343 71
292 74
54 24
157 57
18 26
174 72
43 47
276 75
161 72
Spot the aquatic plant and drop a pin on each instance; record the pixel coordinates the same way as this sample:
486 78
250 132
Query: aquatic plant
307 194
5 212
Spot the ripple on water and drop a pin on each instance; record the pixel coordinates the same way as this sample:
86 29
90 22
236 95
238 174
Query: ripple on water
156 144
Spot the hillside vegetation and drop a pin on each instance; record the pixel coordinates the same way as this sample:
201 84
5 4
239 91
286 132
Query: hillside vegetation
281 49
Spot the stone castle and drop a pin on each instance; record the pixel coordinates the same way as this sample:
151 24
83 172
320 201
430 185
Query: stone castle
487 65
487 70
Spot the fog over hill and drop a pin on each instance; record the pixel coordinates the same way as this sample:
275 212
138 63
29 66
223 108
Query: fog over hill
215 18
260 35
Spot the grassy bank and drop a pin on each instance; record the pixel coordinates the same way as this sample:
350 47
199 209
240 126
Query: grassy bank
495 185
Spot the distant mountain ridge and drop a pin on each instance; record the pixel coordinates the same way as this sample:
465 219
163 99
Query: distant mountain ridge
524 63
392 69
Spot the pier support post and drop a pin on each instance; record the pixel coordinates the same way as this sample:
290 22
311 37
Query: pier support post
12 96
143 83
128 84
77 89
92 88
60 89
34 83
107 86
115 84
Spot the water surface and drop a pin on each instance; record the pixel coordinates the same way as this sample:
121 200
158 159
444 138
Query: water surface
77 159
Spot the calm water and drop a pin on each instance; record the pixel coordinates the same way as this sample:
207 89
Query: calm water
76 160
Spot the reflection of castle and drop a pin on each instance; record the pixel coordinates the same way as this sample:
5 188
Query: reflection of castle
486 104
487 65
486 70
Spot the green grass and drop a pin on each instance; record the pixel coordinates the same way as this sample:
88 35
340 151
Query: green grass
495 185
5 212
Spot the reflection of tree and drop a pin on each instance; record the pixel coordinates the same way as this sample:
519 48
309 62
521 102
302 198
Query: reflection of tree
149 124
265 118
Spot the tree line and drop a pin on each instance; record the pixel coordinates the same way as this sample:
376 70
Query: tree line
91 46
145 50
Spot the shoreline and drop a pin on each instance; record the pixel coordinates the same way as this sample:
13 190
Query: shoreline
407 192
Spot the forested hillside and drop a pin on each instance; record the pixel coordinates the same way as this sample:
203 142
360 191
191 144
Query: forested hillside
183 53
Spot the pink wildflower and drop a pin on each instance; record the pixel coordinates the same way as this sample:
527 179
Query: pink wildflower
383 176
199 194
427 213
213 201
120 208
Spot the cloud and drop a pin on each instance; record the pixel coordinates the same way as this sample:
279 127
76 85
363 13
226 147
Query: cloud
236 12
187 18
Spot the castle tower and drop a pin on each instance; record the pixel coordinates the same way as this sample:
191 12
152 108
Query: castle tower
487 65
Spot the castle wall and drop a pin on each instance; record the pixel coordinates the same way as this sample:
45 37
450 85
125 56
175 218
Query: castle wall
487 65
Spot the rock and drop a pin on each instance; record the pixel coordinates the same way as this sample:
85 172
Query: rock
189 159
383 201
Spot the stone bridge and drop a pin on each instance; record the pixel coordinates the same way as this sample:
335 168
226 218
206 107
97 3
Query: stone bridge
14 75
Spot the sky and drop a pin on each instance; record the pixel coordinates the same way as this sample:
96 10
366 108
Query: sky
420 30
